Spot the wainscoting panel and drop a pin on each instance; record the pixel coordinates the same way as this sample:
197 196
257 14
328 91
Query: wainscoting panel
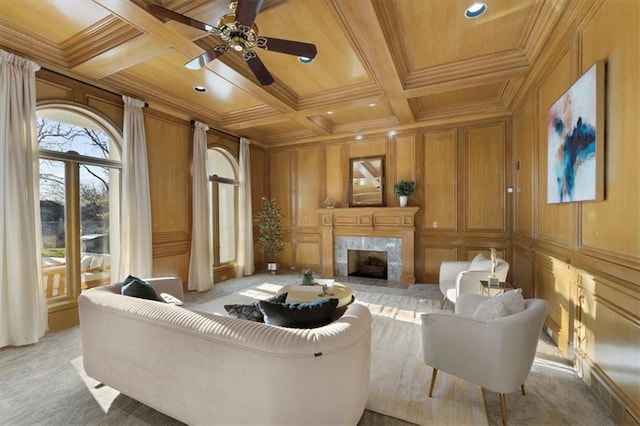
280 181
554 280
432 257
607 339
337 175
521 268
307 186
524 168
308 249
404 159
169 150
440 183
485 186
50 86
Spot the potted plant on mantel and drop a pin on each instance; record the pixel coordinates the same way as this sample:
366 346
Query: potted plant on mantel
403 189
269 221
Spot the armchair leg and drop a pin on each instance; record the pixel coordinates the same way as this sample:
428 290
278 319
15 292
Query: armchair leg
522 387
503 407
444 299
434 373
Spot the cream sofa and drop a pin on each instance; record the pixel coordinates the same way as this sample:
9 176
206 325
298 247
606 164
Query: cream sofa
207 369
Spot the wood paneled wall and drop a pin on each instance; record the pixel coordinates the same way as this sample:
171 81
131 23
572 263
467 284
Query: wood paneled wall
462 180
584 258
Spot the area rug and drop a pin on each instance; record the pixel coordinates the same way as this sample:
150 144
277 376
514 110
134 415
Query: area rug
399 378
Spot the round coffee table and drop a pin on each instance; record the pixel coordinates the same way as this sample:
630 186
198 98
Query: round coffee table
297 293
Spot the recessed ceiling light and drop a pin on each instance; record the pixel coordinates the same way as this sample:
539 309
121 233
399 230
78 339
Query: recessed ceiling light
359 137
372 105
305 60
475 10
329 112
200 89
392 133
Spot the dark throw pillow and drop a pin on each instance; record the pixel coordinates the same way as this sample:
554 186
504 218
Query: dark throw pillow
299 315
252 312
135 287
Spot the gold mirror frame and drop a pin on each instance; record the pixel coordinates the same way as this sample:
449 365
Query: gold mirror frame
366 181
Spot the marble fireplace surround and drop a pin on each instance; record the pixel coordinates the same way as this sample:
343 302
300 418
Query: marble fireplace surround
374 225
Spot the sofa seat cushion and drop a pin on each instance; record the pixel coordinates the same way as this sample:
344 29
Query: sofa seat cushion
299 315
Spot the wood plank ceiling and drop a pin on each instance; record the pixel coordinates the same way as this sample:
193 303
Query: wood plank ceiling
381 65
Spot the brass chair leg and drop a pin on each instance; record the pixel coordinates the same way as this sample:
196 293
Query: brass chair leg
434 373
444 299
503 407
522 387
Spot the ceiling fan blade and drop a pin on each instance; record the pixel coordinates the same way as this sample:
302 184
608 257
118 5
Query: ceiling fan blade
202 60
261 72
170 14
247 11
289 47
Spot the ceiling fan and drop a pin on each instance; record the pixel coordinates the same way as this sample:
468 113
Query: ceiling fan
238 32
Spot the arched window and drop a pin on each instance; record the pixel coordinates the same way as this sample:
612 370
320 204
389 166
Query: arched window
79 198
223 183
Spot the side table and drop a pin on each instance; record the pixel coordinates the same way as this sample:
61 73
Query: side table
494 290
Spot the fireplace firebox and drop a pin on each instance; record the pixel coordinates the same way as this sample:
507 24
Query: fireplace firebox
367 264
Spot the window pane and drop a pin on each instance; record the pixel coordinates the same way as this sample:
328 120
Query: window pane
63 137
52 217
95 262
227 222
218 164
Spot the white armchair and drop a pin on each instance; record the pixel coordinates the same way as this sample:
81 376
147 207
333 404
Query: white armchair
496 354
463 277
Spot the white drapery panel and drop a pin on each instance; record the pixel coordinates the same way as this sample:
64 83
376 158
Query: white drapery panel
23 308
136 256
201 260
245 219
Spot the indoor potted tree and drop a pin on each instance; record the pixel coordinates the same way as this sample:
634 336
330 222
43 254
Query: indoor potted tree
403 189
269 221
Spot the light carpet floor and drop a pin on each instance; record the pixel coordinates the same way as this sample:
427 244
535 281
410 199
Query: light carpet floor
45 384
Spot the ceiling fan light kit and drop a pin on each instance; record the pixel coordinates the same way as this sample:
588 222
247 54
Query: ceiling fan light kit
238 32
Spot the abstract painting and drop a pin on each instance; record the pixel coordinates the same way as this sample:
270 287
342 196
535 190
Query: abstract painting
575 136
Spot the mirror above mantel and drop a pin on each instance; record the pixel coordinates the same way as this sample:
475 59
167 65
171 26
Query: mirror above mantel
366 181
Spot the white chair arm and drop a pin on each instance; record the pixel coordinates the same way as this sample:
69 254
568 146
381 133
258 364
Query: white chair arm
449 270
468 282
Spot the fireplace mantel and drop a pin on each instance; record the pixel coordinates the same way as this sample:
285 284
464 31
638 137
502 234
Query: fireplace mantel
395 222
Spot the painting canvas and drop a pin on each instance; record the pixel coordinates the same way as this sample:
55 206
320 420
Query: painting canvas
575 128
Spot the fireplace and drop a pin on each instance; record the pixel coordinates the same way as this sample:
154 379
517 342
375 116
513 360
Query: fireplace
379 229
367 264
378 248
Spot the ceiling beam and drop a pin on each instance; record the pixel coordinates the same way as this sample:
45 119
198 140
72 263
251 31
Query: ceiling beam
359 17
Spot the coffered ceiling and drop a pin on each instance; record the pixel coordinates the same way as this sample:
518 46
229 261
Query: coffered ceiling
381 65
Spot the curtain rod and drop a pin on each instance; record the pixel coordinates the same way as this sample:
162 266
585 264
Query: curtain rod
146 104
236 138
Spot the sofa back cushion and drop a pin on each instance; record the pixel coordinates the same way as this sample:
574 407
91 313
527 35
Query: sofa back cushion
299 315
136 287
252 311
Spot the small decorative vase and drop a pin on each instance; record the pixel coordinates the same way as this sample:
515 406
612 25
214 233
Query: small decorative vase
307 280
403 200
